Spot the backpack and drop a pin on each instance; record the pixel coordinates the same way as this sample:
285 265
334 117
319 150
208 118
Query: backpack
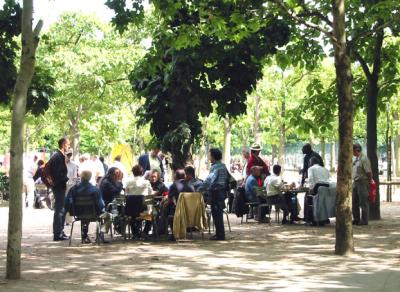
239 202
46 176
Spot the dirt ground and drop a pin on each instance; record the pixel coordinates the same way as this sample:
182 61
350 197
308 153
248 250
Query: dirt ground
256 257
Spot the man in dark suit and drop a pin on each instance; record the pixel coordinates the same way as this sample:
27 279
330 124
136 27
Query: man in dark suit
59 176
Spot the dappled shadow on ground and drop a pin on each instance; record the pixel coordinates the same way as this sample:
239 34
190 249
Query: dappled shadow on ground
255 258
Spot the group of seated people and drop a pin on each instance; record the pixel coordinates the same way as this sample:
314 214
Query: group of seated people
151 187
272 190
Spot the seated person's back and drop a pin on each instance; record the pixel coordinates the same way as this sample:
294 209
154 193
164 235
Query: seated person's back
85 188
138 185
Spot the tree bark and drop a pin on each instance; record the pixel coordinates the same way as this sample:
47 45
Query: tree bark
396 152
282 135
344 231
323 148
256 124
333 157
227 141
74 119
372 120
27 65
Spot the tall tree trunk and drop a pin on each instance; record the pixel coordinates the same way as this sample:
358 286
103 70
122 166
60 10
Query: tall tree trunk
333 157
27 66
227 141
282 135
344 230
396 149
74 119
256 122
323 148
372 119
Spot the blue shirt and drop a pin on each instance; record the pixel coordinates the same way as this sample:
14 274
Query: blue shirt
218 177
84 189
250 188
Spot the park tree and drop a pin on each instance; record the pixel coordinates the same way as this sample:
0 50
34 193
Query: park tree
201 53
369 27
29 41
91 63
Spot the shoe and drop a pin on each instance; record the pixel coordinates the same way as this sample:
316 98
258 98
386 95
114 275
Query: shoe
285 221
86 240
298 219
60 238
354 222
363 223
214 237
171 238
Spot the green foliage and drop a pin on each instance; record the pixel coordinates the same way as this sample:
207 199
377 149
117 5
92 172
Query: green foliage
42 85
203 52
10 27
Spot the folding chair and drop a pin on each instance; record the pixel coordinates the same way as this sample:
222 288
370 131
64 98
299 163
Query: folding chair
84 209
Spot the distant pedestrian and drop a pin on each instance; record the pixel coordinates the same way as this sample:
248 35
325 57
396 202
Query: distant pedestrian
362 176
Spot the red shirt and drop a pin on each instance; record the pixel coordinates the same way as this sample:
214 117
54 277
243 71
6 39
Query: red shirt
257 161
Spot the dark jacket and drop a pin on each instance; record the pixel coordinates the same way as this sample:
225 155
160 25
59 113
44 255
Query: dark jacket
59 170
145 163
84 189
109 190
159 187
178 187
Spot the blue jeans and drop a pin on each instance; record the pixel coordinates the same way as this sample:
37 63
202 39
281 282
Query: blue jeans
59 212
217 212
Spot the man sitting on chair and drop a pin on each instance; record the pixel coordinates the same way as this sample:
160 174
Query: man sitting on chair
85 188
274 185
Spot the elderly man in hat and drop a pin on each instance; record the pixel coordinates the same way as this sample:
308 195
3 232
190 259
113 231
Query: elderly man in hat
255 160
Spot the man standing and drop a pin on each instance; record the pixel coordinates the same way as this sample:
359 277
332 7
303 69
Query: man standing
59 172
255 160
362 176
216 185
150 161
307 150
29 184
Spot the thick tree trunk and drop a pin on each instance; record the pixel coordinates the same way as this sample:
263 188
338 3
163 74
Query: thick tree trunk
372 120
333 157
74 119
227 141
282 135
396 154
26 69
256 122
344 230
323 148
396 148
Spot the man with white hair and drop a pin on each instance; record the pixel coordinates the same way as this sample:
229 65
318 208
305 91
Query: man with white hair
85 188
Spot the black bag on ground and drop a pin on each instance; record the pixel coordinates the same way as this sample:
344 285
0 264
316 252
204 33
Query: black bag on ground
239 202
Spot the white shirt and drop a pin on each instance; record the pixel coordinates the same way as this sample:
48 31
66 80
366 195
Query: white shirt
137 185
317 174
72 172
273 184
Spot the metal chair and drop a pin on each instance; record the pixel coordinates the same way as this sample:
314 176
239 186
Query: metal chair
84 209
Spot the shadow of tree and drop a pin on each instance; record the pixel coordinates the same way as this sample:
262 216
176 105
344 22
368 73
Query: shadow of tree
256 257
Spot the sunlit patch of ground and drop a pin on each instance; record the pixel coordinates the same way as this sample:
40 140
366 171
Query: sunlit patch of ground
256 257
